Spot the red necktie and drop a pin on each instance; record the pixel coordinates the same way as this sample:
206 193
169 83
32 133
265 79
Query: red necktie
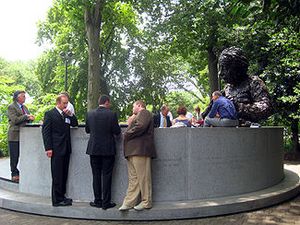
23 110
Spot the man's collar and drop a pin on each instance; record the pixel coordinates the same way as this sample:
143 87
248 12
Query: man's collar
59 110
102 106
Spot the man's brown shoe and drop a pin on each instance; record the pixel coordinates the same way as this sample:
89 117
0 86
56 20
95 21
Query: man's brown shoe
15 179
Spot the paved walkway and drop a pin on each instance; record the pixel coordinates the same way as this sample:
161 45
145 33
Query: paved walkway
284 214
287 213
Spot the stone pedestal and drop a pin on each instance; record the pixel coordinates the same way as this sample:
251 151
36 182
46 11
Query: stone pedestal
191 163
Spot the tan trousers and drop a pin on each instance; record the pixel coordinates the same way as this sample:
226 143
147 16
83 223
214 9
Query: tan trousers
139 181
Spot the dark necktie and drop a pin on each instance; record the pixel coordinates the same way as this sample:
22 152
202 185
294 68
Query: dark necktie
23 110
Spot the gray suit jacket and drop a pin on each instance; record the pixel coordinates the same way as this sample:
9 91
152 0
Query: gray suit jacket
16 119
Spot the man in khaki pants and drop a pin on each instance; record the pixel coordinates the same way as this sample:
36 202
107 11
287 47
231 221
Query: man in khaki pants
139 149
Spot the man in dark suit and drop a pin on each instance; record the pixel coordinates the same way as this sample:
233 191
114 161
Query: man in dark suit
57 142
138 150
162 119
102 124
18 115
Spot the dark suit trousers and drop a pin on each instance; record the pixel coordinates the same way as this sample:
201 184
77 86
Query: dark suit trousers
14 151
102 168
59 171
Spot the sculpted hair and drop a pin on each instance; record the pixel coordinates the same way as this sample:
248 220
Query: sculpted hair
234 55
103 98
141 103
236 64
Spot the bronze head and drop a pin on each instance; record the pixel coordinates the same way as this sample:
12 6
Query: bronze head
233 65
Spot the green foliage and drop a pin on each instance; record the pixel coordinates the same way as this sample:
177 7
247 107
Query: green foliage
40 105
283 72
279 120
183 98
130 67
161 52
23 74
281 12
7 88
20 76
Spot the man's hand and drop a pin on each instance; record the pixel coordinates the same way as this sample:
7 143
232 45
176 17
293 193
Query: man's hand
49 153
30 117
129 121
68 112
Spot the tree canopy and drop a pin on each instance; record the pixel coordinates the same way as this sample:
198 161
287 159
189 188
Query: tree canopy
161 52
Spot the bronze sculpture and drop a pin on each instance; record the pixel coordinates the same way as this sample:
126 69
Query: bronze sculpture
248 93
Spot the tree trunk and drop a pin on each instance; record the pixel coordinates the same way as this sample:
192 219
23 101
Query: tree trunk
93 19
295 135
212 70
93 73
103 84
212 58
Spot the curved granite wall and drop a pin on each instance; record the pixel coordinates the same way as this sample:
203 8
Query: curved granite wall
192 163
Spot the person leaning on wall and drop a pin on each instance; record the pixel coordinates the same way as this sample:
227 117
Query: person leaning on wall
18 116
139 149
102 125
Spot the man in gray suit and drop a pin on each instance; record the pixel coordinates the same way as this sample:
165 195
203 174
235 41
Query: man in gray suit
139 149
18 115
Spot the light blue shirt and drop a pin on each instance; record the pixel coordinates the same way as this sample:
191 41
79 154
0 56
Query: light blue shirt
19 105
224 107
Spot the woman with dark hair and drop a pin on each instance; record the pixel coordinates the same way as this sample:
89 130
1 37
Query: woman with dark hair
181 120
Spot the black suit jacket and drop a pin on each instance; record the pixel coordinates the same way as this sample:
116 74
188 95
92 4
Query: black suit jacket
156 119
102 124
56 132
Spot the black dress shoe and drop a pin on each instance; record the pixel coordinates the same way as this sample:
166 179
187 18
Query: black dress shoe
62 203
68 200
97 205
15 179
109 205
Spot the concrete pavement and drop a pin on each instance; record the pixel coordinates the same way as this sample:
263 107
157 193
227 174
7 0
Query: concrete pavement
287 213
